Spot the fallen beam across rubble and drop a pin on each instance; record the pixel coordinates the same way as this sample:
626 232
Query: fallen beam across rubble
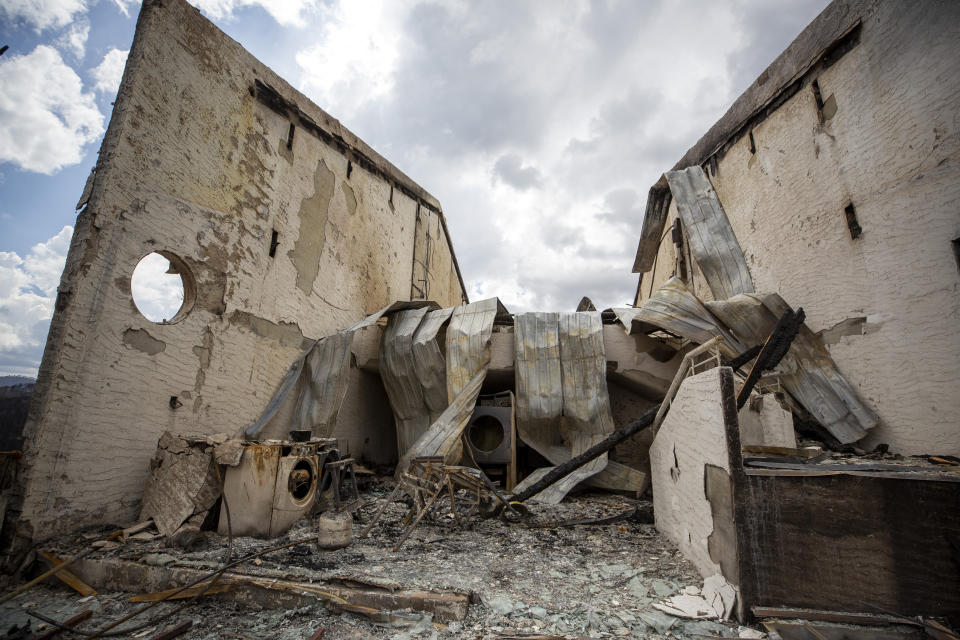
370 601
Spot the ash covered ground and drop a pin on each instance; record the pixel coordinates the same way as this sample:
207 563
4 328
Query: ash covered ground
523 577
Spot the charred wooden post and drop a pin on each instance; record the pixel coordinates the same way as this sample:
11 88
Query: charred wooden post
773 350
562 470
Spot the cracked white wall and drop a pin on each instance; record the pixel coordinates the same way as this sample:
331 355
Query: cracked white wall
887 302
195 164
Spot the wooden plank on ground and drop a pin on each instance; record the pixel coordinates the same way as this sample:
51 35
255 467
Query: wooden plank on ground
799 630
795 613
72 622
170 594
68 578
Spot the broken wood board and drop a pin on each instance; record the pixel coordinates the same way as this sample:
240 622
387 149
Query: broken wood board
365 599
66 577
177 594
861 540
801 630
874 619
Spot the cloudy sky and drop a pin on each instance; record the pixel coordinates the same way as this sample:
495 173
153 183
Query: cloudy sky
539 125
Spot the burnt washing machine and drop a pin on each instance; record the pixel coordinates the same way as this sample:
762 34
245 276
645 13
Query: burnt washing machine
491 436
274 485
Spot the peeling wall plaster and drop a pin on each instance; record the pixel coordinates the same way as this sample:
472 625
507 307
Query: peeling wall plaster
890 145
195 164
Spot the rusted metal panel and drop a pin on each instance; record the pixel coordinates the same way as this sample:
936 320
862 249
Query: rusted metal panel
468 342
807 372
709 234
562 402
674 309
320 400
399 376
428 360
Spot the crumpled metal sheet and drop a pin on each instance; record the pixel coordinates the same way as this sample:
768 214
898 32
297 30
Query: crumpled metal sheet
429 361
807 372
337 378
319 403
709 234
468 342
539 387
562 403
399 376
442 438
674 308
467 357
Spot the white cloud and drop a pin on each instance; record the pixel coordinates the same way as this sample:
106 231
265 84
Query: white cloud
573 108
157 293
28 290
286 12
124 6
74 41
43 14
354 60
45 117
109 72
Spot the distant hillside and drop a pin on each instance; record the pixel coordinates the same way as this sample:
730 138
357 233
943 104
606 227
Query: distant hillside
9 381
15 392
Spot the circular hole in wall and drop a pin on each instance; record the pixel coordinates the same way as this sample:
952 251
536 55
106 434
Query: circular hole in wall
486 433
163 288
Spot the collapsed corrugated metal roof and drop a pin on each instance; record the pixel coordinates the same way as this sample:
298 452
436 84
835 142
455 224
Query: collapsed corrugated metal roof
808 372
562 403
326 360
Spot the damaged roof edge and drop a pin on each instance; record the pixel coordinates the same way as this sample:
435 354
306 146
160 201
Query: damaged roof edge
820 38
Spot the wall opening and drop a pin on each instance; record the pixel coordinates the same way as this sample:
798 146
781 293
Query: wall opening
163 288
274 242
852 223
956 251
290 132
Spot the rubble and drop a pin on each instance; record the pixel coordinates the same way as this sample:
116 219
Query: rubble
542 575
719 383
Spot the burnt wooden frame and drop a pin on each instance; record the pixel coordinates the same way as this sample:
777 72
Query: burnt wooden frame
859 542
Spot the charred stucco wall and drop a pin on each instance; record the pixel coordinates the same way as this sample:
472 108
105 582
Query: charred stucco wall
882 136
196 164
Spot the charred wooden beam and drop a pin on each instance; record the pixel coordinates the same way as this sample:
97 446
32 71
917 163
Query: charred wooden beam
563 470
773 350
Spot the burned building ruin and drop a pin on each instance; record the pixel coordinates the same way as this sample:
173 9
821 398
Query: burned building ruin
783 385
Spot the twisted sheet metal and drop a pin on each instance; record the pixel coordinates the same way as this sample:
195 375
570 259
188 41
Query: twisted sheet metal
468 343
442 438
807 372
673 308
319 402
399 376
709 234
429 362
562 403
468 355
336 376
